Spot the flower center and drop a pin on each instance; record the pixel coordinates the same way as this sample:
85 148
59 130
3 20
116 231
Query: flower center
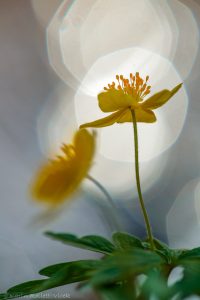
134 86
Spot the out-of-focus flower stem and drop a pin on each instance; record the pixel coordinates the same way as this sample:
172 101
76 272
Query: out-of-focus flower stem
109 198
137 175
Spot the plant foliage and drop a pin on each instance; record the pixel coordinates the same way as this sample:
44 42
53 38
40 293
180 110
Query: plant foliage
128 270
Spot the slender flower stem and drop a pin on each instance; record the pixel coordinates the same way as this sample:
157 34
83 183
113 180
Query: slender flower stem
137 175
108 197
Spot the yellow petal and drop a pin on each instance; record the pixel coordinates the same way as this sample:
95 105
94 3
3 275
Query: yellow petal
160 98
53 182
107 121
58 179
113 100
84 144
142 115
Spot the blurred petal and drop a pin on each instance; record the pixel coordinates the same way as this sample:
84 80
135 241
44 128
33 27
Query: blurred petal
160 98
107 121
84 144
142 115
113 100
54 181
59 178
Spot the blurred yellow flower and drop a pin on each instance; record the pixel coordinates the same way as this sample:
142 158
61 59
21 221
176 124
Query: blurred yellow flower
127 95
59 178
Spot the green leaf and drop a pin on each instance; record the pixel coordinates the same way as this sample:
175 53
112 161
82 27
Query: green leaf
90 242
72 272
76 270
116 292
164 250
107 275
156 285
60 274
171 255
26 288
51 270
122 265
160 245
189 285
65 276
193 254
125 241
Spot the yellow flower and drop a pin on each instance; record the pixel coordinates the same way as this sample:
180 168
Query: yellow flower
127 95
59 178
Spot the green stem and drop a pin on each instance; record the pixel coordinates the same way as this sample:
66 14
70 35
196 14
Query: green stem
137 175
108 197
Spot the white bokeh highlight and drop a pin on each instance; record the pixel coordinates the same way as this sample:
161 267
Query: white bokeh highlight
44 10
116 142
88 44
56 125
183 224
83 31
56 122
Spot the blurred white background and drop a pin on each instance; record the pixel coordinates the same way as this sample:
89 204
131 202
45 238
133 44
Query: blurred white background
55 57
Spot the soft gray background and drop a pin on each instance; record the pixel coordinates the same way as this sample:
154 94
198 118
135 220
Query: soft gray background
26 81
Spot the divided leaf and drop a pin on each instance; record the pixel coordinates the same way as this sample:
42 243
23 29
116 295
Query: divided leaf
189 284
91 242
162 248
75 270
26 288
60 274
171 255
125 241
117 292
193 254
160 245
124 264
156 285
114 275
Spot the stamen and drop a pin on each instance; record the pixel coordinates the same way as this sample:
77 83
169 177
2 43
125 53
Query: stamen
134 86
68 150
